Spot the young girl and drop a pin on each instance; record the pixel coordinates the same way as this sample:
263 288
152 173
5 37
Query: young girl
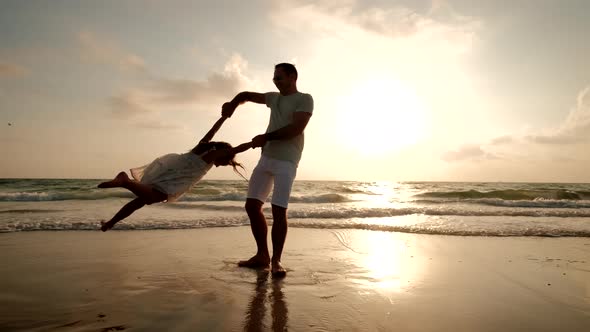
170 176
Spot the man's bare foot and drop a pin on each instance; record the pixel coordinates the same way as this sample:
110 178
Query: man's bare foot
256 262
105 226
278 271
116 182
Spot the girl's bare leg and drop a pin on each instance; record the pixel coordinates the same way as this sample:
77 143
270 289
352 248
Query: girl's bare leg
125 212
143 191
116 182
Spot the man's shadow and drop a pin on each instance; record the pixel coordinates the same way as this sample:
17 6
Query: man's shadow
256 311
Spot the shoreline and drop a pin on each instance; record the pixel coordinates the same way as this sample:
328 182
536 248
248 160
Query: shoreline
338 279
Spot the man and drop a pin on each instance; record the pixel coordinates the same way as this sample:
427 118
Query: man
282 145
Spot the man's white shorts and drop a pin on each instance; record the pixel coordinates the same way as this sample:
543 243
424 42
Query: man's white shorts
270 170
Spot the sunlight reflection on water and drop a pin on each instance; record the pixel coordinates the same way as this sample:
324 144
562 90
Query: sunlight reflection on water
386 265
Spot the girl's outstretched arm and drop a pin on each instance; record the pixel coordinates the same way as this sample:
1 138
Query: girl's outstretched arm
209 135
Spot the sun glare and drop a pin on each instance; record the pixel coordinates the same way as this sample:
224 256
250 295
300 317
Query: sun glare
381 116
388 267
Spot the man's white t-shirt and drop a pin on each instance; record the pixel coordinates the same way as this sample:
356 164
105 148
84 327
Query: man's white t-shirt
281 115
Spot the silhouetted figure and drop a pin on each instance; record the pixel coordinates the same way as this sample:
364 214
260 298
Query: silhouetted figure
282 146
170 176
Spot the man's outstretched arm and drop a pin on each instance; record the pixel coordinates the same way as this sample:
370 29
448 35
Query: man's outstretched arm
212 155
242 147
228 108
300 120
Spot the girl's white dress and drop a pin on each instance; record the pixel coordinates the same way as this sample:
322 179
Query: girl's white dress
173 174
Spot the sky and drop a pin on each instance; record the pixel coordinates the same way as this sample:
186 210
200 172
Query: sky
441 90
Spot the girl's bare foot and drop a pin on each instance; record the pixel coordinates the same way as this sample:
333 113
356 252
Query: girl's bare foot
256 262
105 226
116 182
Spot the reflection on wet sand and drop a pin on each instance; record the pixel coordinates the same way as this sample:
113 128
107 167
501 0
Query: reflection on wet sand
254 320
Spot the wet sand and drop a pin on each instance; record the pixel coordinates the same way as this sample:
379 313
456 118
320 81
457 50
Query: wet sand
338 280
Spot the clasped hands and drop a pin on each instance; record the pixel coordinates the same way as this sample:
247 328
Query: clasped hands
227 109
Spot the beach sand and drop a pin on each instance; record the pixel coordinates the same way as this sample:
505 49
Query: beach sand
338 280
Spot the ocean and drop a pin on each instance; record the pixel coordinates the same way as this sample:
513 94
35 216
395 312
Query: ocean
447 208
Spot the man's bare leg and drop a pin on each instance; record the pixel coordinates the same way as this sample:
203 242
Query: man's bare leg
278 234
259 230
125 212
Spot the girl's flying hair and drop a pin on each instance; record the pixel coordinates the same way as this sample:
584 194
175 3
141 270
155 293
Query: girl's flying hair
218 145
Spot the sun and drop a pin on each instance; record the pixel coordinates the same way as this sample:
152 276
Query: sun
379 116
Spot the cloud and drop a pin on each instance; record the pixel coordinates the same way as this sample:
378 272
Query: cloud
566 138
468 152
159 90
574 129
502 140
159 125
552 139
142 105
218 85
437 5
163 91
160 94
345 18
129 105
106 51
12 70
391 22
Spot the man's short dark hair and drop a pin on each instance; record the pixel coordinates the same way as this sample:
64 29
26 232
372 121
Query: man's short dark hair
288 68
